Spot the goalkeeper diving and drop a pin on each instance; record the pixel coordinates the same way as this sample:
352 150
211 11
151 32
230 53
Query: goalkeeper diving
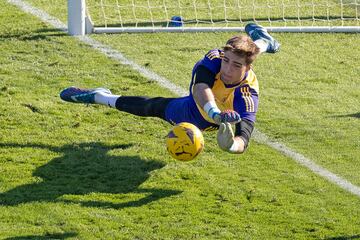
223 92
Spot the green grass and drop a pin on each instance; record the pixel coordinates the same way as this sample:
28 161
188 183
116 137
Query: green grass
74 172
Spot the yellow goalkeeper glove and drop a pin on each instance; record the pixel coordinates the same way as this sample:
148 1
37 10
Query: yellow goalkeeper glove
225 136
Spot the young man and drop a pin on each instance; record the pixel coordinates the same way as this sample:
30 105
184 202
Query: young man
223 91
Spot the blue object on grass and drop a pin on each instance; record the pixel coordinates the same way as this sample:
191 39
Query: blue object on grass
176 21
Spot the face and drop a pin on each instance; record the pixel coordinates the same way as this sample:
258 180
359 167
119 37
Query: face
233 68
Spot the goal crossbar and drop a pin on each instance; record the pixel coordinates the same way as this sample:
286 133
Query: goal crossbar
340 29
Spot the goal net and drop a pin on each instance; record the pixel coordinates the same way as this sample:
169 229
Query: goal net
107 16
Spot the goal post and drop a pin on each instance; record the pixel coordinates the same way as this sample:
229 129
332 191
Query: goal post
79 22
76 17
117 16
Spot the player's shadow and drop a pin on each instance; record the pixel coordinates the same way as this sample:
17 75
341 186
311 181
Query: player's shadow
87 168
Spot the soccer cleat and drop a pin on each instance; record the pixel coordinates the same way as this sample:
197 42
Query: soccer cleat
257 32
79 95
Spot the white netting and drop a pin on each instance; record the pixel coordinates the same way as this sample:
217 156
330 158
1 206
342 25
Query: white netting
224 13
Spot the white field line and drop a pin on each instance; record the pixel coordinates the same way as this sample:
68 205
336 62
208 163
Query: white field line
258 136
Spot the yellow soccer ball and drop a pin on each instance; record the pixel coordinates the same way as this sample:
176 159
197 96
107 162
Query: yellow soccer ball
185 141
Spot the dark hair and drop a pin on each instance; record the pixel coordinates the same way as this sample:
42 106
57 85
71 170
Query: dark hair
243 46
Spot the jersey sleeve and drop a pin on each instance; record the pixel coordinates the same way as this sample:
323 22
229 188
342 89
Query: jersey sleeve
204 75
244 130
211 63
246 103
212 60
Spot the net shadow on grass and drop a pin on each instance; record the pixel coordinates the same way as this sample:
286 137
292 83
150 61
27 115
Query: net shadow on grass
344 237
353 115
83 169
276 21
40 34
45 237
